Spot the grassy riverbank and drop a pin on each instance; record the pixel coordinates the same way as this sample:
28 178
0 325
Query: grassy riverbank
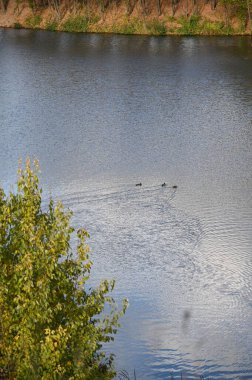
191 17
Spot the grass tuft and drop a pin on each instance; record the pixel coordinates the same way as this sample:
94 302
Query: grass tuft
51 25
132 26
189 26
17 25
156 27
195 25
79 24
76 24
33 21
137 26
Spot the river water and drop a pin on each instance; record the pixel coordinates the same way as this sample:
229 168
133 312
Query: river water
102 113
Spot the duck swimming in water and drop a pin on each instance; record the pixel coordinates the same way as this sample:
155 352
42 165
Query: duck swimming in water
163 184
139 184
174 186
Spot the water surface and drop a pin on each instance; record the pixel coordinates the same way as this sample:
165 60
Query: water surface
104 112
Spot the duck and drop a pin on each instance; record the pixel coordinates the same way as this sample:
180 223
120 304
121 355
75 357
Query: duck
174 186
163 184
139 184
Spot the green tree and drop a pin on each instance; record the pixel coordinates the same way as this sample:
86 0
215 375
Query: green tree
52 324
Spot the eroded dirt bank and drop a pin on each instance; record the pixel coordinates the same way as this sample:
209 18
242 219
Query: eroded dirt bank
154 17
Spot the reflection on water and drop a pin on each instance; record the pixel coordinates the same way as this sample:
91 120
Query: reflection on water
105 112
192 290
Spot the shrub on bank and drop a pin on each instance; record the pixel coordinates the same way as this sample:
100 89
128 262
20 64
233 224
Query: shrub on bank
52 323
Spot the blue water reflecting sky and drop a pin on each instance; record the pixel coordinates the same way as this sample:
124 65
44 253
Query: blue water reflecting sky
104 112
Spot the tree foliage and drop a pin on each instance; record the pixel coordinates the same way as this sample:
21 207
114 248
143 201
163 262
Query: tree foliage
52 324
